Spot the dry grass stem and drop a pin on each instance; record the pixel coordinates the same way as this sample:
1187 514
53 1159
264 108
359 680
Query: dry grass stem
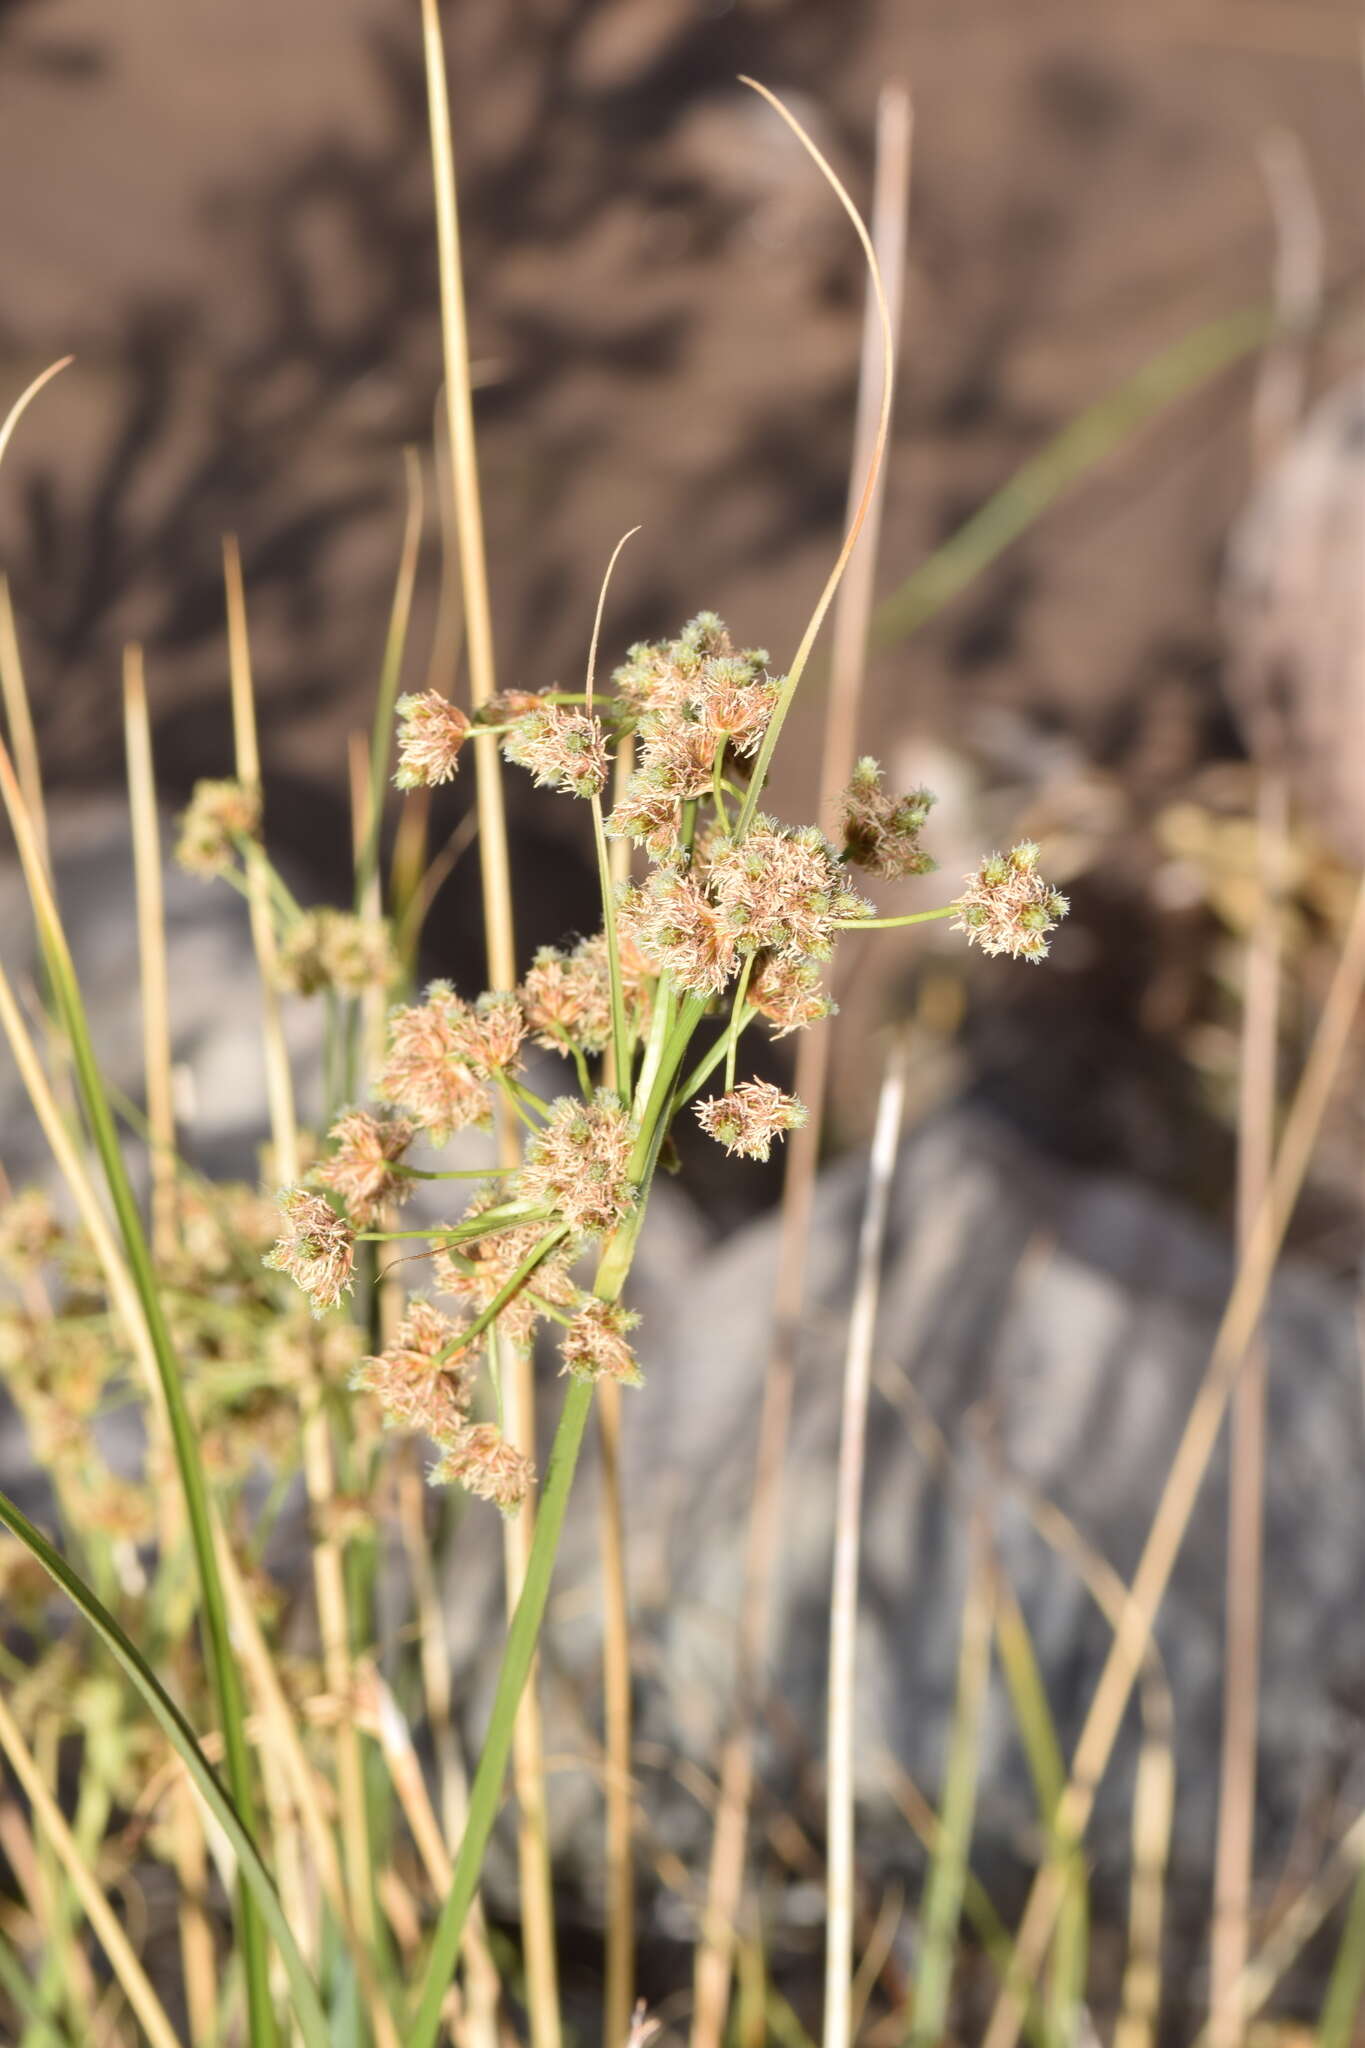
851 624
842 1877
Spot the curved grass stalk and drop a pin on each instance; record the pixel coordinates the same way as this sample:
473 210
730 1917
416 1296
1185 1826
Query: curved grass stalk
252 1871
222 1669
395 645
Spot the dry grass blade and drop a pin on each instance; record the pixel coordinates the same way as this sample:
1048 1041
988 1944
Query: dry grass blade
851 626
537 1899
19 718
841 1882
123 1960
1276 409
151 937
1196 1447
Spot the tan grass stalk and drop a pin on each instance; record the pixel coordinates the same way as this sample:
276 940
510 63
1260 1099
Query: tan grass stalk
19 718
447 633
537 1898
279 1740
1277 406
1296 1928
188 1846
319 1471
841 1880
123 1961
711 1983
1240 1318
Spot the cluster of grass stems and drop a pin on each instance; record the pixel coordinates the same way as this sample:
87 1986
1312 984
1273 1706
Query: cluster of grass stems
351 1866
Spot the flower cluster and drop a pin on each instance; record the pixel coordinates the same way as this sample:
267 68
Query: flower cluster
579 1164
362 1170
332 949
220 816
431 733
434 1069
679 931
316 1248
419 1380
694 700
781 890
748 1119
482 1461
1007 907
563 749
594 1344
882 832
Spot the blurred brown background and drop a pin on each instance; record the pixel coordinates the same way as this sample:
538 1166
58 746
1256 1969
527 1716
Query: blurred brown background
225 211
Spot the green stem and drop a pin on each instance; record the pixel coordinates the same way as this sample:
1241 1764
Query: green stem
710 1060
486 1793
737 1010
888 924
718 787
223 1670
512 1287
620 1041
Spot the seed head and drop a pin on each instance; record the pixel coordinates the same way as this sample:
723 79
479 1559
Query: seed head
331 949
881 832
594 1345
649 815
361 1170
578 1164
481 1460
432 731
29 1231
790 993
494 1033
1007 907
750 1117
564 749
220 815
430 1070
679 931
316 1248
414 1385
781 890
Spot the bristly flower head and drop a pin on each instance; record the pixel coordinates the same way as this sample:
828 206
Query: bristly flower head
781 890
219 817
29 1231
316 1248
564 749
790 993
361 1170
881 832
418 1381
333 949
568 996
1007 907
750 1117
594 1345
494 1032
432 732
679 931
481 1460
578 1164
692 697
430 1070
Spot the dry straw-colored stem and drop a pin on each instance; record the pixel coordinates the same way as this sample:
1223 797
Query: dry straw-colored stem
329 1582
841 1879
19 718
850 634
123 1960
537 1898
1171 1521
1277 406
